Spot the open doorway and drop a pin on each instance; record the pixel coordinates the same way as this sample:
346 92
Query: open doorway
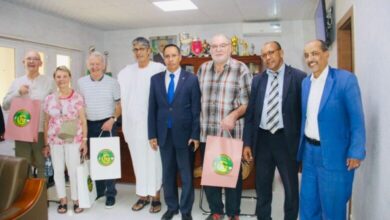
345 50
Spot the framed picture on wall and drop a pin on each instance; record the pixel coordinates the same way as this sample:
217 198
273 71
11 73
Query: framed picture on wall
158 42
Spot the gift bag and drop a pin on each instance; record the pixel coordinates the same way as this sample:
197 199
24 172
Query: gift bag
222 161
105 158
23 120
86 187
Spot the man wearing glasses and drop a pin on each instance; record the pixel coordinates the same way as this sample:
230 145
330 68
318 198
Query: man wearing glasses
272 126
225 85
134 82
32 85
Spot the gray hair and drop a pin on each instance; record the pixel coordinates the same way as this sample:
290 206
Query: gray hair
141 40
98 55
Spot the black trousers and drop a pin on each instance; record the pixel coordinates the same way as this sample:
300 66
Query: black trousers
271 152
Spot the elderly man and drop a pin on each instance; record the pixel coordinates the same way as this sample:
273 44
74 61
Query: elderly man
134 81
34 86
271 132
102 99
225 86
332 141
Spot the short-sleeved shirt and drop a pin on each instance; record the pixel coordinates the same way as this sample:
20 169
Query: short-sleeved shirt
100 96
59 110
222 93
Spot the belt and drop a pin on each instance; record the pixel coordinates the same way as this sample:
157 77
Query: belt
312 141
279 131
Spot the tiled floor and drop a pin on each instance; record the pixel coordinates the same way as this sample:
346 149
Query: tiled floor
126 197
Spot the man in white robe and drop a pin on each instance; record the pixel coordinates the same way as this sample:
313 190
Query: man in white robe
134 82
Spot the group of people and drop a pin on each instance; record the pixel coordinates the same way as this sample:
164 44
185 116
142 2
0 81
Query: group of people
283 116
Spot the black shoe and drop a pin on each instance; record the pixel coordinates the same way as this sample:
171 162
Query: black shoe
168 215
186 217
110 202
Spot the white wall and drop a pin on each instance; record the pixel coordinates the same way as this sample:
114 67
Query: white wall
371 195
31 25
294 34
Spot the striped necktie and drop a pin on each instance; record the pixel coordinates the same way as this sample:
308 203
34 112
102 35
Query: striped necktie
273 105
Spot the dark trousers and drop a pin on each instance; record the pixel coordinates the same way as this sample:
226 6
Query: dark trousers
232 195
174 159
271 152
103 187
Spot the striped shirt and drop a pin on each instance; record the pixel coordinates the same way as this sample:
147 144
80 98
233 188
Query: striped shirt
100 96
222 93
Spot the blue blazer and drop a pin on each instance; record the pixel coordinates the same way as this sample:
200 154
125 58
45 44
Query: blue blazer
184 109
340 119
291 104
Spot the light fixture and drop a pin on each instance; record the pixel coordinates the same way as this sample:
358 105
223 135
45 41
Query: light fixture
176 5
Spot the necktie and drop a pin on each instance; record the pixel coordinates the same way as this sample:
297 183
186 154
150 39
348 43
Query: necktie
170 95
273 106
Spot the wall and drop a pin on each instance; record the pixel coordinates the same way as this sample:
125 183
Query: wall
294 34
31 25
371 194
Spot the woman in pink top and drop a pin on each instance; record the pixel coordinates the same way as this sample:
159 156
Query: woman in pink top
61 106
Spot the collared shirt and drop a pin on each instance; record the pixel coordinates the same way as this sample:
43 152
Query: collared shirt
313 104
100 96
222 93
175 79
280 77
39 88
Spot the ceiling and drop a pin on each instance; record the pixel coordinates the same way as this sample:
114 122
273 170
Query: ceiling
128 14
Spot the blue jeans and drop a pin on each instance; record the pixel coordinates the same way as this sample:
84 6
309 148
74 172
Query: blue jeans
103 187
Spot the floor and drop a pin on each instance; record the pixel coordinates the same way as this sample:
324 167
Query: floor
126 197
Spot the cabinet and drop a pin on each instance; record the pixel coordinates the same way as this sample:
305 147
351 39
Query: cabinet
192 64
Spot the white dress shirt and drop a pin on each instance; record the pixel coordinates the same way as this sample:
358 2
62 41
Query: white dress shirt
175 79
313 104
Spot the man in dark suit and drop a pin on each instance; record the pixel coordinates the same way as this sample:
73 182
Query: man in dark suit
271 131
332 143
173 125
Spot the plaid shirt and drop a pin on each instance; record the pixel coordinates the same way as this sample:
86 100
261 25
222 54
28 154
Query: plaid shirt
222 93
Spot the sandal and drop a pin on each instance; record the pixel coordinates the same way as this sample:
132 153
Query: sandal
62 208
77 209
140 204
155 207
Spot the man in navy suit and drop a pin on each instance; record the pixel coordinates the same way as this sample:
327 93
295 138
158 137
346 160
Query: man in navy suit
332 143
173 125
271 131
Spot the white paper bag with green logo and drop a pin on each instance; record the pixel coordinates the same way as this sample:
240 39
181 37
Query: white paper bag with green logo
85 185
222 161
105 158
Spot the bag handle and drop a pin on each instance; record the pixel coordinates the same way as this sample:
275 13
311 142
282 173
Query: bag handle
222 130
104 131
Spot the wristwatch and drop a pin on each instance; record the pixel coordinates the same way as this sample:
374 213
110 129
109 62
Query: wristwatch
113 117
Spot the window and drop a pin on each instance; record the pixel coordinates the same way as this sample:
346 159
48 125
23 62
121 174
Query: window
7 69
63 60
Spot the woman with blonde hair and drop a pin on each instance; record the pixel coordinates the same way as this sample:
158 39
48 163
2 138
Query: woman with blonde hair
65 131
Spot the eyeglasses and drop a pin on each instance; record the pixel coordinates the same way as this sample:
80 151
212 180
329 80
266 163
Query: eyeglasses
269 53
34 59
221 46
141 49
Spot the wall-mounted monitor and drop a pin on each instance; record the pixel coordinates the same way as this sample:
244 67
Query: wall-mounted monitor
324 23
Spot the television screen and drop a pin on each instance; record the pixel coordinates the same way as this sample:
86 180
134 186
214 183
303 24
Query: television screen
320 20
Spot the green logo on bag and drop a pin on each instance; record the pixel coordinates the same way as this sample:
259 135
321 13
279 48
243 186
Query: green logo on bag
222 164
90 184
105 157
22 118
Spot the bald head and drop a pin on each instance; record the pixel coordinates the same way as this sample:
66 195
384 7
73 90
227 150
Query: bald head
32 61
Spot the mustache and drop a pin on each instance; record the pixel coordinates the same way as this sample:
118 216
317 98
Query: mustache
312 62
